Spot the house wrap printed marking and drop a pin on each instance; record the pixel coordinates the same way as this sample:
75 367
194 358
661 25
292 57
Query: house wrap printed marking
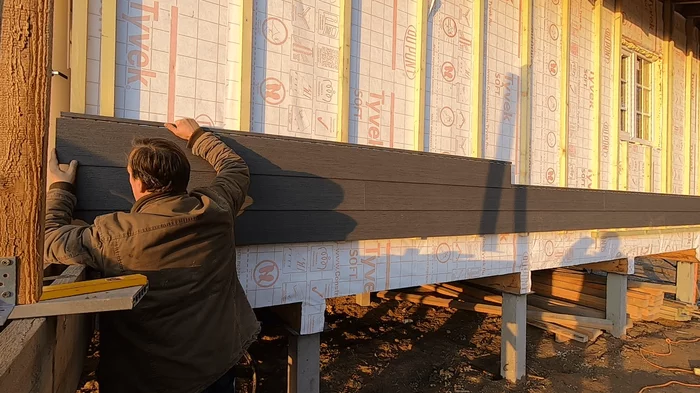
139 45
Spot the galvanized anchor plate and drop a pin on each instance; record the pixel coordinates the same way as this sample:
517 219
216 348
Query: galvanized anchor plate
8 287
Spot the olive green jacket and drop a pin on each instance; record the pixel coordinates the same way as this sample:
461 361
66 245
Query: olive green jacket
195 322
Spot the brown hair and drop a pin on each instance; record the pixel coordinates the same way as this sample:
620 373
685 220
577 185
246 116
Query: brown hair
160 164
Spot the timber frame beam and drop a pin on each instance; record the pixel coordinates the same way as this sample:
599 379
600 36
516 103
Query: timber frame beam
25 44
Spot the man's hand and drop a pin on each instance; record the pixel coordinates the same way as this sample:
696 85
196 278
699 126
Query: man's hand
183 128
57 173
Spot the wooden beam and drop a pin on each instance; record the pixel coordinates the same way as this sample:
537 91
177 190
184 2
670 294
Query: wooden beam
509 283
564 93
525 131
617 266
689 256
363 299
246 61
25 44
108 47
304 364
344 53
616 303
686 282
422 11
478 89
78 55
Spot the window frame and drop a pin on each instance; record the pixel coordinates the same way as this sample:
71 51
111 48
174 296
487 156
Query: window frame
629 112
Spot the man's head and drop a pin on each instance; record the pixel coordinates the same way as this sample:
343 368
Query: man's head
157 165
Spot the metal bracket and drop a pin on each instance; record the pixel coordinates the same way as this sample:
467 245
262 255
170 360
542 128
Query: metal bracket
8 287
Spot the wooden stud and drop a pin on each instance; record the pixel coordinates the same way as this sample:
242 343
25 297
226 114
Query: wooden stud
422 11
525 130
513 336
667 83
246 59
616 303
689 256
304 363
615 126
344 53
108 47
564 105
686 282
78 55
60 88
597 91
25 44
479 81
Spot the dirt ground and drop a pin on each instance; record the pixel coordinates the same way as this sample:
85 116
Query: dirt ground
401 347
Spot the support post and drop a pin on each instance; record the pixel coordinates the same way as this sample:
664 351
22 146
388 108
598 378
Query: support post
304 363
363 299
686 282
616 303
513 337
25 44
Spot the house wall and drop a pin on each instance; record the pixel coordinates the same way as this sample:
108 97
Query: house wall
534 83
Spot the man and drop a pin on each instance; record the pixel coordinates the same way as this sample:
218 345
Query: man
195 322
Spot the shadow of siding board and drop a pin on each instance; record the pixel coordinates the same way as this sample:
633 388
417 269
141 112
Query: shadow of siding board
77 138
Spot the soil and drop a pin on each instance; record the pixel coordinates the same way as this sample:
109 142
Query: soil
395 346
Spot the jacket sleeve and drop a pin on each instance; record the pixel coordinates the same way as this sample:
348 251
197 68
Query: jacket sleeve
232 175
65 242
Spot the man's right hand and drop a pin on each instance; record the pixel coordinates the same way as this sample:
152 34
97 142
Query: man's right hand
183 128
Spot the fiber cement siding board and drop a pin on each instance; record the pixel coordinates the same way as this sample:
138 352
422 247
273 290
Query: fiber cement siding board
303 205
100 142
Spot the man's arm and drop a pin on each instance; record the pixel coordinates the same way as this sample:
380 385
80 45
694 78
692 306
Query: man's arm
232 175
64 242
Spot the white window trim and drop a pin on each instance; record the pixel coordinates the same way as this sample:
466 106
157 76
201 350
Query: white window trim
631 100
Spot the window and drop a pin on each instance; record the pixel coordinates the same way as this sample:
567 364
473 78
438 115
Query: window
635 90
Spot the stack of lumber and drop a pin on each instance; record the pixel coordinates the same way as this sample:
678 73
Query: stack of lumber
644 299
549 314
678 311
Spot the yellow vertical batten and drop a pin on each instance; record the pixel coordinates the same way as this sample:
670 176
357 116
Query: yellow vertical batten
689 53
344 52
564 105
597 91
525 97
108 47
696 66
478 83
246 60
647 169
78 55
667 81
615 144
422 11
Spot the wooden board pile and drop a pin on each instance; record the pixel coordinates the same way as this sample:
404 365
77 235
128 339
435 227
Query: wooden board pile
644 299
567 303
565 320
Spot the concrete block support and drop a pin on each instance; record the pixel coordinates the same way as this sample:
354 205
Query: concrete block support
686 282
513 337
616 303
304 363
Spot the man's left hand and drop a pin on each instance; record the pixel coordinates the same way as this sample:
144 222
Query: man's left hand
57 173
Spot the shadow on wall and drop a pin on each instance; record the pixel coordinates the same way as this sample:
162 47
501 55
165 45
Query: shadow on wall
272 211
